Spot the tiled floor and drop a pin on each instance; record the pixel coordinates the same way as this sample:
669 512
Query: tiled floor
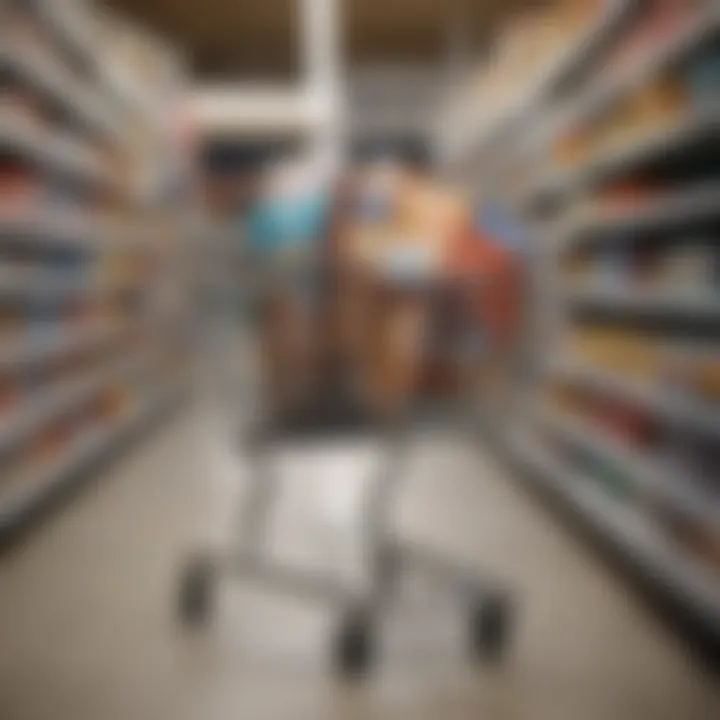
88 632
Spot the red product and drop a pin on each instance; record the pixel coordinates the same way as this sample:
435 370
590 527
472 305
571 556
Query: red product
10 394
634 426
23 105
20 190
627 196
494 277
661 20
51 440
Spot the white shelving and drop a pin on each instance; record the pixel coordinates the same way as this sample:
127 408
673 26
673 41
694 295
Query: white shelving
661 304
75 29
68 21
644 193
67 228
22 284
632 152
647 475
627 529
17 502
49 77
72 228
54 402
46 345
669 210
62 229
50 404
674 407
56 152
551 75
72 238
600 96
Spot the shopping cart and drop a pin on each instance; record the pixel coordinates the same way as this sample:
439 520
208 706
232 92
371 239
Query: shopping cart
333 408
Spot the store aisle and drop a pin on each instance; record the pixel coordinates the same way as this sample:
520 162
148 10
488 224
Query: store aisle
88 629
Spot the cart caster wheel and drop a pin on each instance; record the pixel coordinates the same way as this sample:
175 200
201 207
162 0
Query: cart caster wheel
353 646
195 599
489 627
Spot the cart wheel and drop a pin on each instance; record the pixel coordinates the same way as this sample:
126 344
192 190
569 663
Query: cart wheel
196 593
353 645
489 627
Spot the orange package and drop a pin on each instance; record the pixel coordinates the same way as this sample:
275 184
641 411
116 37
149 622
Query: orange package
493 278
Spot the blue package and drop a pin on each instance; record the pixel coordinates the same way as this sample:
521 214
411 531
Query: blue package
500 223
703 78
277 224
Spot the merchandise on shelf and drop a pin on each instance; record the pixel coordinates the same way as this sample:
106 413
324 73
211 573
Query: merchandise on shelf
75 338
659 22
621 168
701 75
698 542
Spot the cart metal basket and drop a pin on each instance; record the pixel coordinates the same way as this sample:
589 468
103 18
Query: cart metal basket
332 408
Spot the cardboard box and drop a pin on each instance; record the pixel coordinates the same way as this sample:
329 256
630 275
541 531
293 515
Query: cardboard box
394 356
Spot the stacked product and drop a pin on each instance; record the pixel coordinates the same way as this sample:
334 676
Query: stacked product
529 58
84 352
619 175
636 242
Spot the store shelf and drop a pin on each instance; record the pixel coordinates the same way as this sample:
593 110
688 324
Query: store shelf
701 26
557 71
48 77
669 210
666 305
26 286
55 229
635 490
76 228
76 32
69 23
24 422
650 477
55 152
17 504
46 286
676 409
645 147
42 285
633 536
606 27
47 345
57 401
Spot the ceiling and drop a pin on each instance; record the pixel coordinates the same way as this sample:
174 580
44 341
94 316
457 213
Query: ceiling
234 39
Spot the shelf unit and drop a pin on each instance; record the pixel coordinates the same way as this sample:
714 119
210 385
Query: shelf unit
540 89
25 351
676 208
676 409
75 28
676 138
53 152
648 477
92 337
19 504
695 28
637 540
659 304
521 162
49 78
